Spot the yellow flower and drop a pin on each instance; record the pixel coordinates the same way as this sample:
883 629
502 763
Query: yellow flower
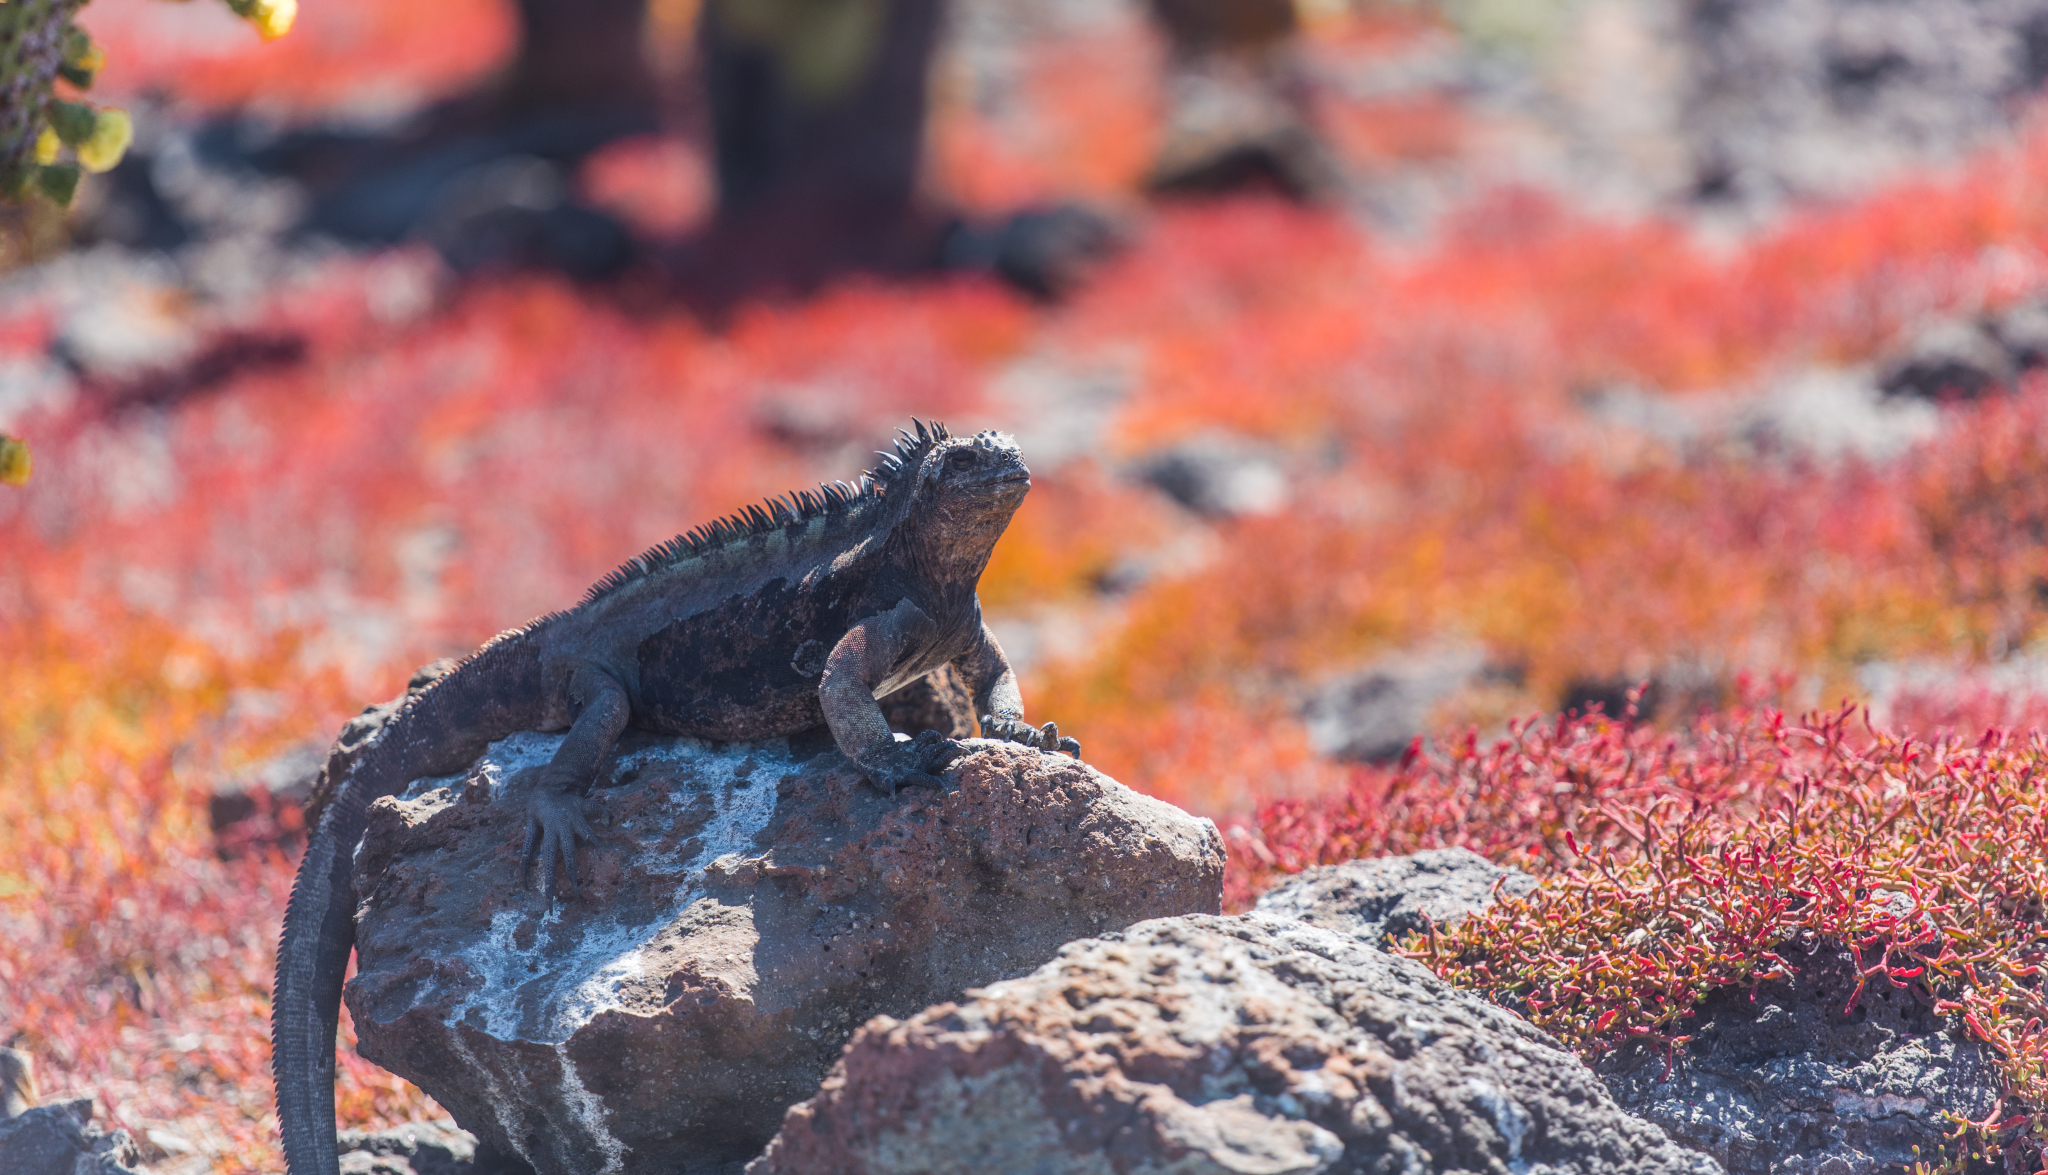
47 144
14 462
273 18
111 134
93 60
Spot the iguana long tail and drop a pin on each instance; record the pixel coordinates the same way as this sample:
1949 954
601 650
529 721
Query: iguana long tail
312 957
438 731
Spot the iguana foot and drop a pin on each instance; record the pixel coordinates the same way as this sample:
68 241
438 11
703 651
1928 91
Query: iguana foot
912 764
1046 738
555 823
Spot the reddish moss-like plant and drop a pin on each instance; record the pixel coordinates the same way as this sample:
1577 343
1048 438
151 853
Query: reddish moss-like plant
1673 866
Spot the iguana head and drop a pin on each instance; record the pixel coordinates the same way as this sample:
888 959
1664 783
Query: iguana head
964 491
983 472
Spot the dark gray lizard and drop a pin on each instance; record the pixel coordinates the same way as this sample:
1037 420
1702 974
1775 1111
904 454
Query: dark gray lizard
799 611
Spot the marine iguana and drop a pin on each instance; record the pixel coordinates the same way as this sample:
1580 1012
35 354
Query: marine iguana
800 610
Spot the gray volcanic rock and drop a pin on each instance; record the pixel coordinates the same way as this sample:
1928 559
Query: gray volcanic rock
1785 1084
414 1148
1372 716
1381 899
1962 358
746 908
60 1139
17 1083
1822 97
1219 475
1203 1044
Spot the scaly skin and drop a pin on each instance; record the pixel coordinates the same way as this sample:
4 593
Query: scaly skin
802 611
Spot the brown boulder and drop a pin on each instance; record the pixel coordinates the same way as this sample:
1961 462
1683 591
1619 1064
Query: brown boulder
746 908
1206 1045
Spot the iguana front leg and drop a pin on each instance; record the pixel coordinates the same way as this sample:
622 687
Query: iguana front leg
1000 703
862 660
554 793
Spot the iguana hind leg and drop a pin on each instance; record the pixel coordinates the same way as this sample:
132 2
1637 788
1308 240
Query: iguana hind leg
554 793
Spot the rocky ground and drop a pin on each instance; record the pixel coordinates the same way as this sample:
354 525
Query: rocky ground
770 967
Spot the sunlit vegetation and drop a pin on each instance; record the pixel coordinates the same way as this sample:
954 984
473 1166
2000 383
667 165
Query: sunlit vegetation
1677 864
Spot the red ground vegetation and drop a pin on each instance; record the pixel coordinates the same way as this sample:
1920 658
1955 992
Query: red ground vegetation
1676 864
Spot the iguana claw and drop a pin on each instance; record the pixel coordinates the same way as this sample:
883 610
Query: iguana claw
555 823
913 764
1045 738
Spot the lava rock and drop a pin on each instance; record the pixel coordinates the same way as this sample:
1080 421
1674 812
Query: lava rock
1823 97
746 908
1215 1044
2023 328
1044 252
1775 1082
1382 899
1961 359
1373 715
421 1148
1830 415
1781 1082
60 1139
17 1083
1218 475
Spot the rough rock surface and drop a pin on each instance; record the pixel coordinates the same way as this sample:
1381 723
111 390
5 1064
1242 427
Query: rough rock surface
60 1139
746 908
1225 1045
17 1082
419 1148
1381 899
1784 1084
1787 1085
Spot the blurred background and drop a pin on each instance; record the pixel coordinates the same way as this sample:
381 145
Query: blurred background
1388 370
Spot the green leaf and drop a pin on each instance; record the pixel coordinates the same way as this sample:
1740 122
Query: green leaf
82 58
59 182
73 121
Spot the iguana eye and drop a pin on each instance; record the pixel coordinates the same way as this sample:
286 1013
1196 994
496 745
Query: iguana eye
960 459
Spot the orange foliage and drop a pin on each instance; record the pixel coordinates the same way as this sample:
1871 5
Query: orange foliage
134 964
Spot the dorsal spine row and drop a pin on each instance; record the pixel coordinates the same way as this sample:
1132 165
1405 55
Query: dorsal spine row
783 510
